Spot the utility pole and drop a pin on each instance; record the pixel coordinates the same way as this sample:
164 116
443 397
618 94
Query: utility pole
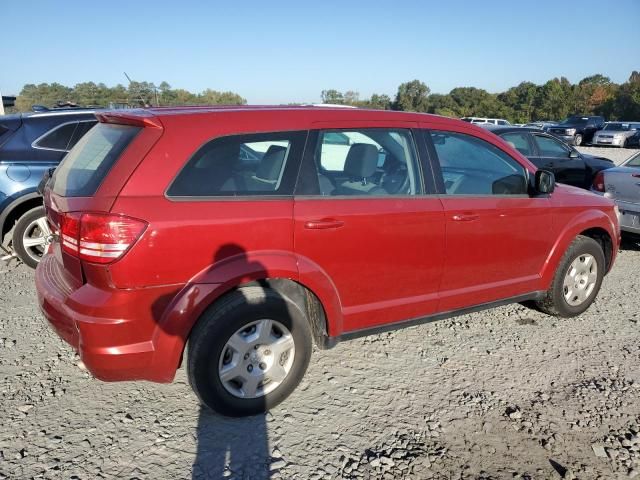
1 104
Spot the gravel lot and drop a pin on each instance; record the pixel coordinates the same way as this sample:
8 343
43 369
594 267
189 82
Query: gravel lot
618 155
506 393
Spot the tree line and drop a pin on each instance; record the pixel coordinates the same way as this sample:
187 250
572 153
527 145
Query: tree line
90 94
526 102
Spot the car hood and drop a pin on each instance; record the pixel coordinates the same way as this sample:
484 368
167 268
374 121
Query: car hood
597 162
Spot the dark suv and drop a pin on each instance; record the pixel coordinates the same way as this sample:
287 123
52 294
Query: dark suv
577 130
252 233
31 144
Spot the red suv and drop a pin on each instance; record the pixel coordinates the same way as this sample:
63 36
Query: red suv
251 233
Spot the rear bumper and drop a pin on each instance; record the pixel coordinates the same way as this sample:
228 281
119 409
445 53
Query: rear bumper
629 217
114 331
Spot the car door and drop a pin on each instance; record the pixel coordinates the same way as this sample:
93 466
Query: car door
565 162
496 243
363 221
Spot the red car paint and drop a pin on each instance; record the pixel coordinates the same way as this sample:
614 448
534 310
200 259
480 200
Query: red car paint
370 261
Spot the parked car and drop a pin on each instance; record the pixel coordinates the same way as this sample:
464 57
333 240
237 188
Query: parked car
166 236
577 130
541 125
485 121
545 151
622 184
30 144
616 134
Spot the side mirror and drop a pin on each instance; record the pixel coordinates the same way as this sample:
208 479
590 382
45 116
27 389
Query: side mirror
545 181
574 154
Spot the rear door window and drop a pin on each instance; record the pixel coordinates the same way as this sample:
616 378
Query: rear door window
86 165
374 162
242 165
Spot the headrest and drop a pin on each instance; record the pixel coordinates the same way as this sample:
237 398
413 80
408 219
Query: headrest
362 160
271 163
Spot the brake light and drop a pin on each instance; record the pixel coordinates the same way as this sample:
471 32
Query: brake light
99 237
598 182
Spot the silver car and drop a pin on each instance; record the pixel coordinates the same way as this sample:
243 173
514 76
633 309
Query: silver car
615 134
622 184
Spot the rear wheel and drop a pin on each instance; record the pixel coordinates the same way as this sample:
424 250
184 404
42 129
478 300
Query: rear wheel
577 279
249 352
577 140
31 236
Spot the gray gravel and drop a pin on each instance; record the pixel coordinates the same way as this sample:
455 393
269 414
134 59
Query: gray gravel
618 155
506 393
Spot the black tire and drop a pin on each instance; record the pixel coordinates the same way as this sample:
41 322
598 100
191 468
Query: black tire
577 140
625 144
222 320
554 302
21 226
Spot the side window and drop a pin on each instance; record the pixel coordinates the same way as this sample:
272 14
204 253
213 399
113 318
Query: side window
471 166
82 128
550 147
372 162
58 138
518 141
252 164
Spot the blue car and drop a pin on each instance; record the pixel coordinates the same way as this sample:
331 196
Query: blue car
30 145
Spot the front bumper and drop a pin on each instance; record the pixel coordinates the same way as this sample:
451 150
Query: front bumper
568 139
608 142
114 331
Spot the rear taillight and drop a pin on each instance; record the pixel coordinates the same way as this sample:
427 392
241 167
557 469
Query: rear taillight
99 237
598 182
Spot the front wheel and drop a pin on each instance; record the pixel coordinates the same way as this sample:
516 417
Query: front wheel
577 140
577 279
248 352
31 235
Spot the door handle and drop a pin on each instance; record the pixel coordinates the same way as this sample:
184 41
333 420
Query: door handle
465 217
323 224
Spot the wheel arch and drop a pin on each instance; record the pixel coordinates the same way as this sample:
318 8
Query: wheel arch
592 223
18 207
269 270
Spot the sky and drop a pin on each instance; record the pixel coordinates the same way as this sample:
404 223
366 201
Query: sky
289 51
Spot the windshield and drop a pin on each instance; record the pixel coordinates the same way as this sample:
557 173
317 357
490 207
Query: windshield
617 126
633 161
574 121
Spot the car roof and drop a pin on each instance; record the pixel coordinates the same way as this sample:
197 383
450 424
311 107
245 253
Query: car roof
151 115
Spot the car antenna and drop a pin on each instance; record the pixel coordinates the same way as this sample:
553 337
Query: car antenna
155 91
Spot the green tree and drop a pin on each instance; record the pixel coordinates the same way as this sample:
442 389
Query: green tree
412 97
332 96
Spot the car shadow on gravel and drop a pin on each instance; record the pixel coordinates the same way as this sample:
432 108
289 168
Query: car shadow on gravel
227 447
231 447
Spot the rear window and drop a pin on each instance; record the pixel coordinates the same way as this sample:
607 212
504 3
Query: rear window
86 165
